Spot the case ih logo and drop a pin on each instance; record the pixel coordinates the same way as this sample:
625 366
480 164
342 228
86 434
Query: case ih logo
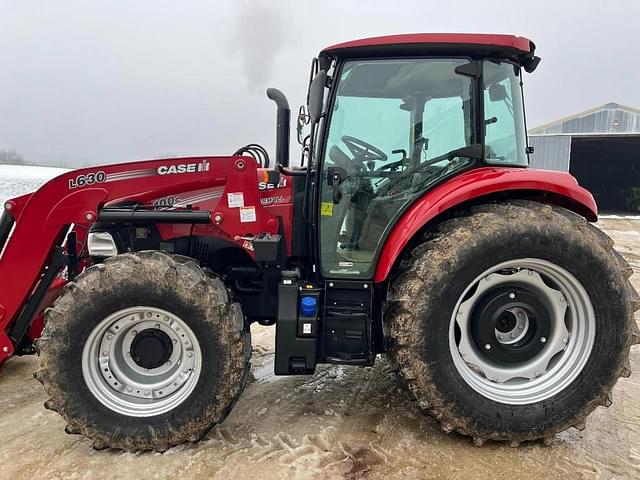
184 168
282 183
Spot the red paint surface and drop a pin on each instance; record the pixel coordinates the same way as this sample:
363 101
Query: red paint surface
275 199
510 41
478 183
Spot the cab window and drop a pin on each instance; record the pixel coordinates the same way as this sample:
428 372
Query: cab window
505 136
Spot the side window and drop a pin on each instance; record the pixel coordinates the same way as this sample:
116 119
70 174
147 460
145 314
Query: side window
505 137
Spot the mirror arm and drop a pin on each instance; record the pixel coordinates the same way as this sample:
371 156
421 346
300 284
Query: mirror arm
294 172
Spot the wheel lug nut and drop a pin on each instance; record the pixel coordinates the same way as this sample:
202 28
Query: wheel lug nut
487 346
513 335
543 339
134 333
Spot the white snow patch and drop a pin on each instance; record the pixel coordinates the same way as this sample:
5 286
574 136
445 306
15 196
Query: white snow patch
16 180
30 172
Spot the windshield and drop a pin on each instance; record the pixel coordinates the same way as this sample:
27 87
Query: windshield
394 130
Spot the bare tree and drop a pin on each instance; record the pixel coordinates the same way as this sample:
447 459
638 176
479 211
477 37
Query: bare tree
11 157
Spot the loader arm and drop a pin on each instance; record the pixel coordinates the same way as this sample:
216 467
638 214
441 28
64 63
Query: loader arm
34 226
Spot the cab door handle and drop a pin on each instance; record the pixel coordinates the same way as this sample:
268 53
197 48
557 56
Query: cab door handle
335 176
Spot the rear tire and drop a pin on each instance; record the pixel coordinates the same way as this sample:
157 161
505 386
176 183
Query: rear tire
518 247
144 352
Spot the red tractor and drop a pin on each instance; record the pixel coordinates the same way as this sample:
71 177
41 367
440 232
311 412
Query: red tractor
414 227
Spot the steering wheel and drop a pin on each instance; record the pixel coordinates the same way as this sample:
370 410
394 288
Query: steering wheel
363 151
407 174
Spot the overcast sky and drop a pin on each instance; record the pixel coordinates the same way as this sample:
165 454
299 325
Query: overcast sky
88 82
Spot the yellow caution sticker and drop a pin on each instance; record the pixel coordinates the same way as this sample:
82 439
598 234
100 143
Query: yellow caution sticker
326 209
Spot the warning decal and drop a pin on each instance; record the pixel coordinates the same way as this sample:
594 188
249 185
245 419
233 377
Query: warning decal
248 214
235 199
326 209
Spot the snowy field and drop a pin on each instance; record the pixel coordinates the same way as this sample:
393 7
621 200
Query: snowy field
341 423
16 180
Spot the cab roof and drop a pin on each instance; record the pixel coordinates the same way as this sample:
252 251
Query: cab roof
480 44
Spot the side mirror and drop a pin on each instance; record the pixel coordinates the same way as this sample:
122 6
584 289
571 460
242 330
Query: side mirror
316 96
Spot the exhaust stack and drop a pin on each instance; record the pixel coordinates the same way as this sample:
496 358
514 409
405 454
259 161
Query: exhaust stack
282 125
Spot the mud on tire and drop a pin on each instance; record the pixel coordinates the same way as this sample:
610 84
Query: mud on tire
424 293
159 281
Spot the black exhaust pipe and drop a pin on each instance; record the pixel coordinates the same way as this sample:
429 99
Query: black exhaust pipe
282 126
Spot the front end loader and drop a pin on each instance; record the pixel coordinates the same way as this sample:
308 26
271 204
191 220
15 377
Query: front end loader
414 227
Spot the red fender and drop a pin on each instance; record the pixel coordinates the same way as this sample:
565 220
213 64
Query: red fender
544 185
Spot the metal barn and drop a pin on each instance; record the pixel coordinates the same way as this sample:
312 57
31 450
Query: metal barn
601 148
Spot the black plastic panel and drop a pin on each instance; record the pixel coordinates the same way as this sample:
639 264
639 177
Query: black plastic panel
347 323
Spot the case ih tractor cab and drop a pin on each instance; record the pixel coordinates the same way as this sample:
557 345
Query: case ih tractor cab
414 228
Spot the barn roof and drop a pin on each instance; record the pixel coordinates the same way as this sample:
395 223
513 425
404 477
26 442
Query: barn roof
610 118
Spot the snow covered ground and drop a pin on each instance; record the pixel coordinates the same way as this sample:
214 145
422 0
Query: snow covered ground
16 180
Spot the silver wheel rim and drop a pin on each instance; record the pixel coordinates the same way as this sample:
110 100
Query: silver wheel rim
564 350
120 383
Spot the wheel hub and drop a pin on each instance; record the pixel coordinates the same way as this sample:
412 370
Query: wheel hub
151 348
508 322
512 325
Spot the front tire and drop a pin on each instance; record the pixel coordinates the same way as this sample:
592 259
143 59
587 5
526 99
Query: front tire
512 322
144 352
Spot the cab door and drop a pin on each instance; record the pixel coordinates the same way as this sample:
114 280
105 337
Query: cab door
392 126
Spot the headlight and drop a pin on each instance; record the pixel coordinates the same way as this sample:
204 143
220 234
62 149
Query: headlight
101 244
